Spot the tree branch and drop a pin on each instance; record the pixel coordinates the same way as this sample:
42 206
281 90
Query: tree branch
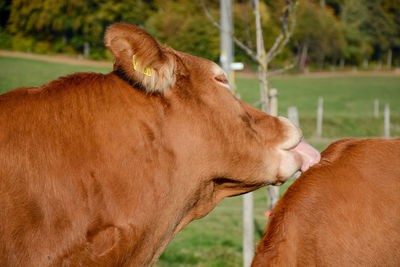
274 46
278 45
282 70
237 41
263 59
249 41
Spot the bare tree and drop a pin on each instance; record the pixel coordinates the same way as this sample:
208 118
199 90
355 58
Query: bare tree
261 56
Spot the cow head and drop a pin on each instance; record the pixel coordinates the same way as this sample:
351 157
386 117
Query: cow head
218 145
216 137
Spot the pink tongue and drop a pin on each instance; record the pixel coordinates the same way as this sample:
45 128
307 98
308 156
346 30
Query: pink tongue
309 155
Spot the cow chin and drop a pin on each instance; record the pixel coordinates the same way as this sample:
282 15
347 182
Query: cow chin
281 167
290 163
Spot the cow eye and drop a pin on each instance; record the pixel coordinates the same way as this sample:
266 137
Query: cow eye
222 79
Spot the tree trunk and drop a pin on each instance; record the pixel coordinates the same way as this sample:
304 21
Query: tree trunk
262 68
333 64
389 60
342 62
365 62
86 49
303 57
247 30
379 66
321 62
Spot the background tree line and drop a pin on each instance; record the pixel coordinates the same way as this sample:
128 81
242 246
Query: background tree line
331 33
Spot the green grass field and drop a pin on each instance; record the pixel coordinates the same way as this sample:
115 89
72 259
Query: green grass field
348 102
216 239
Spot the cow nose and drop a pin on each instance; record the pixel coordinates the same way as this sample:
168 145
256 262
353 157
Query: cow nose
309 155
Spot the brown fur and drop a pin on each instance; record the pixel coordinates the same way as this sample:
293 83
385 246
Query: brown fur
104 170
344 211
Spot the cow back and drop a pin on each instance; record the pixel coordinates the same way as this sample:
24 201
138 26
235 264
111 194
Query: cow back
344 211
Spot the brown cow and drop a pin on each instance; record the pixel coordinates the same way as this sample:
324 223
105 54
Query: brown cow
344 211
104 170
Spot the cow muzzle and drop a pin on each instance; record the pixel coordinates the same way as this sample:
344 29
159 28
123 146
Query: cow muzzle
296 154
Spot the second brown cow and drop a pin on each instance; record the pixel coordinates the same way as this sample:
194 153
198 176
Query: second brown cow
344 211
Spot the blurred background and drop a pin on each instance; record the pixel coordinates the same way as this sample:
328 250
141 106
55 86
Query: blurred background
329 33
341 74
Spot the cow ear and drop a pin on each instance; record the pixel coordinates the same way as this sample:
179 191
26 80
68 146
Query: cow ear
139 58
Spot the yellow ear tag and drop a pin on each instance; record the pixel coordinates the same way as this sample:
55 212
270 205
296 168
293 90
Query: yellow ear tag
147 70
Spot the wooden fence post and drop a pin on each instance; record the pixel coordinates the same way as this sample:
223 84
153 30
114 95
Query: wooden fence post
273 191
387 121
319 116
293 115
248 229
376 108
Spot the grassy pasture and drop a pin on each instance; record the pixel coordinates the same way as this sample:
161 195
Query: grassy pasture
216 239
348 102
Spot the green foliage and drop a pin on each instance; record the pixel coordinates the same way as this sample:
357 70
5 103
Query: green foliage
392 9
354 30
5 6
245 29
42 47
5 39
377 27
352 17
73 21
172 25
97 53
319 30
22 43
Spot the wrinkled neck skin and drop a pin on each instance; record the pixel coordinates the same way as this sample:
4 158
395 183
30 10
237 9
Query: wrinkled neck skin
177 209
174 219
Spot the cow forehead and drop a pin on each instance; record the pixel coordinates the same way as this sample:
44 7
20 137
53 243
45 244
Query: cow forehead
206 69
202 63
213 68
